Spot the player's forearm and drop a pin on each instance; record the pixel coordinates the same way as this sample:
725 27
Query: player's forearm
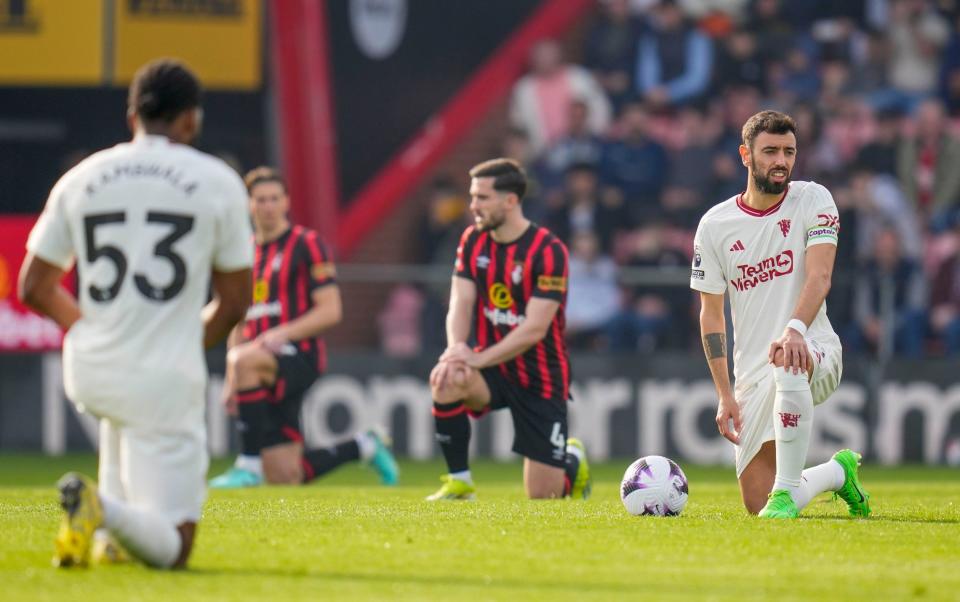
458 323
714 339
55 303
236 336
812 295
219 319
519 339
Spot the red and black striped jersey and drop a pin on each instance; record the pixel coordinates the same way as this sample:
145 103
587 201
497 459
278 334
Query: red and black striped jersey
286 271
507 276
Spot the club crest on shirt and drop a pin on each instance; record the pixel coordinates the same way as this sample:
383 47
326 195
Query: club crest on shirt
517 274
784 227
277 261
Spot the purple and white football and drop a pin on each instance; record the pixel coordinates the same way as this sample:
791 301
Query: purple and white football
654 486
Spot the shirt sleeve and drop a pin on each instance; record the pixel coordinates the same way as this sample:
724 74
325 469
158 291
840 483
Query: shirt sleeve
233 251
50 238
321 270
822 221
706 273
551 272
462 266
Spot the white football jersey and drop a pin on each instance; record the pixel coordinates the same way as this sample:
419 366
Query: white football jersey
757 258
146 222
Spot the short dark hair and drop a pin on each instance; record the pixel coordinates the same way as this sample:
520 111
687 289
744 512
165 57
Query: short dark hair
772 122
261 175
162 89
508 175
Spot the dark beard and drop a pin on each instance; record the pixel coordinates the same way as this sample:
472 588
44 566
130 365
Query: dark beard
768 186
492 224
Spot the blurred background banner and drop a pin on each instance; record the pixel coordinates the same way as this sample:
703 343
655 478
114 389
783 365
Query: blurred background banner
52 43
219 39
20 328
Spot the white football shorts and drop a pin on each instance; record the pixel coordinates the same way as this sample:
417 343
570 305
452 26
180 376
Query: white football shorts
756 400
160 471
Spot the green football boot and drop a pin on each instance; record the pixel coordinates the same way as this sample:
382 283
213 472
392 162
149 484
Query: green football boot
582 485
453 489
852 492
779 505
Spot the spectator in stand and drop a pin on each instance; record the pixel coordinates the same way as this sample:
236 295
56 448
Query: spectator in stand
585 209
739 62
541 99
674 60
636 164
889 300
950 72
594 297
399 322
945 298
611 47
579 145
917 37
689 192
775 33
880 154
880 205
445 220
928 163
653 316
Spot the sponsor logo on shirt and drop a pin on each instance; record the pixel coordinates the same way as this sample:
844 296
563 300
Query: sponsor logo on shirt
552 283
261 310
500 317
829 221
752 275
261 291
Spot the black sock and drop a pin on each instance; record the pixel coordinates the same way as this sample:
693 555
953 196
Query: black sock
250 404
453 434
318 462
570 468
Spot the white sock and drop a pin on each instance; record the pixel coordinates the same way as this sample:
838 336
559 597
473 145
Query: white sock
251 463
366 444
463 475
792 423
148 536
815 480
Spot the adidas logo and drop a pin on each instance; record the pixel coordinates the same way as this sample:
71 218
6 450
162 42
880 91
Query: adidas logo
737 246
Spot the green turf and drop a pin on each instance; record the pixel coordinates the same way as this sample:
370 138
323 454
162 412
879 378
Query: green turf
346 538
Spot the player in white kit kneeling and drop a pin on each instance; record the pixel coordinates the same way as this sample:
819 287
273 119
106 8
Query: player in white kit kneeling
772 250
151 224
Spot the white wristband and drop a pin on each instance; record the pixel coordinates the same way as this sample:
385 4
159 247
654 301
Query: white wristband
798 325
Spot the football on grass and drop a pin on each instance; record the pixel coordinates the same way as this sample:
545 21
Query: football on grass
654 486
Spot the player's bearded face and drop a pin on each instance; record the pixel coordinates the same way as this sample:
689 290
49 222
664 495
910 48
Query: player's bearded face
772 180
489 218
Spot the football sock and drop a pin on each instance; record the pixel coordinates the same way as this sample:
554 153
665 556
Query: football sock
147 535
792 423
463 475
366 444
247 400
570 468
815 480
453 434
318 462
250 463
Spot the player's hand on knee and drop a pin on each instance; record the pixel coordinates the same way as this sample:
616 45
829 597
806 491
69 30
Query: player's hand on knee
728 419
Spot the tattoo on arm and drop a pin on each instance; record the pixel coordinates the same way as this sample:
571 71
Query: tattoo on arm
715 345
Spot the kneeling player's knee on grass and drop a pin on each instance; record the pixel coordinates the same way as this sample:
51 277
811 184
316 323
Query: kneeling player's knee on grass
282 471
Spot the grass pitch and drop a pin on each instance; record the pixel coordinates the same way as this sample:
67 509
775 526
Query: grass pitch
348 538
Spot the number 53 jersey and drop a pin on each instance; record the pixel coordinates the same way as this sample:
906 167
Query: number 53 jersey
757 258
146 222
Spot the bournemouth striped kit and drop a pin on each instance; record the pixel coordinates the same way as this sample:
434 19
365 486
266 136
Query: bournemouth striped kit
286 271
507 276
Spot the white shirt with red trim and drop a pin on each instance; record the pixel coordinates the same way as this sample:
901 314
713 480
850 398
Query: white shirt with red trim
757 258
146 222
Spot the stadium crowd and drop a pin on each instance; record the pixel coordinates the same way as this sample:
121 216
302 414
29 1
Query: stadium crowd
631 144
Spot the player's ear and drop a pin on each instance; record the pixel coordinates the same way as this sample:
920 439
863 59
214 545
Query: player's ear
745 155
